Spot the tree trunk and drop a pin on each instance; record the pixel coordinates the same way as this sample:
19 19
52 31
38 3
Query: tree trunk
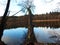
3 20
30 37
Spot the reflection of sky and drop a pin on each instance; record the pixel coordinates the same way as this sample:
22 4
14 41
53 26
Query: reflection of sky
42 6
42 35
16 36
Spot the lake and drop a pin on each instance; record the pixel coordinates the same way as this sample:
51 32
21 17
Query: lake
17 36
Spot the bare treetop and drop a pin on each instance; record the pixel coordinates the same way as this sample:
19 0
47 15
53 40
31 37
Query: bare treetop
25 4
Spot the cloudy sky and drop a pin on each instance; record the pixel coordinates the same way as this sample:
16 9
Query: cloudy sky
41 6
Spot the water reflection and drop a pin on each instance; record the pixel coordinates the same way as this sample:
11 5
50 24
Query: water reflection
14 36
43 34
17 36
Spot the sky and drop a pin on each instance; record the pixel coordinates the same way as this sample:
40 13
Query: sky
41 6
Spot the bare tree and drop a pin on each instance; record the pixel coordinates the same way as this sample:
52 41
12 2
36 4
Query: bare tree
3 20
27 6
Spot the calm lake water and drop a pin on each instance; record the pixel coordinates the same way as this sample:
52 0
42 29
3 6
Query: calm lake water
17 36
